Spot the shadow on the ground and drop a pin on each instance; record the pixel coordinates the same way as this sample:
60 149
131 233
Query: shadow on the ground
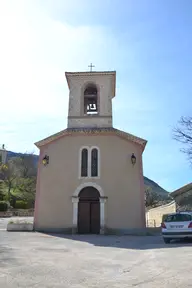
125 242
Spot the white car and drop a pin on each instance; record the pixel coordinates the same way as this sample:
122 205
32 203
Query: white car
177 226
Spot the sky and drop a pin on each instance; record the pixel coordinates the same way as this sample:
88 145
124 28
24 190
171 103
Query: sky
147 42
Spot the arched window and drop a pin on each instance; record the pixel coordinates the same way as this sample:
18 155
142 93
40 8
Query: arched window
94 162
89 162
90 100
84 163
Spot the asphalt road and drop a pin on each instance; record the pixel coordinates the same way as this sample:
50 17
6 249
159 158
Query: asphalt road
29 259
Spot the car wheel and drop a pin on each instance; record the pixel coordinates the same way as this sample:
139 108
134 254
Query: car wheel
167 240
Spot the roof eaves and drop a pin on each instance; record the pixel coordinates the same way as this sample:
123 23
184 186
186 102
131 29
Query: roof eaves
132 137
70 131
51 138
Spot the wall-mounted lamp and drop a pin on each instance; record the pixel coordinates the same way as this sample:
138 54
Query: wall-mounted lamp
45 160
133 159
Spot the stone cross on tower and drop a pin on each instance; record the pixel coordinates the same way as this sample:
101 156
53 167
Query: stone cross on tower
91 66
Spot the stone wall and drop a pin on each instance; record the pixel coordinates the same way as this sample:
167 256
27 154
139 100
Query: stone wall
154 215
17 212
90 121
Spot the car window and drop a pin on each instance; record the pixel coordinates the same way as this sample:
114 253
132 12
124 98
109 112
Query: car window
178 218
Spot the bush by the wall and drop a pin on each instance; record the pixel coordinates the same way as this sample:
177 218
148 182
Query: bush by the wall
20 204
3 206
30 204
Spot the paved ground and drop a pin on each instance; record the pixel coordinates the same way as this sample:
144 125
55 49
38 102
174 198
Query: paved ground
40 260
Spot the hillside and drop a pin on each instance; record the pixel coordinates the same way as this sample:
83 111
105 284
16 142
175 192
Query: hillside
148 182
155 187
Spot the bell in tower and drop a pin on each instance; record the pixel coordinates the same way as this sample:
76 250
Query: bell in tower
90 100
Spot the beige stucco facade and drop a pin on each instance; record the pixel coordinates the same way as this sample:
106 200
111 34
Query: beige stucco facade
119 181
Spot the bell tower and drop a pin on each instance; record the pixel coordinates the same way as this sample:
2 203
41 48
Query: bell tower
90 98
3 154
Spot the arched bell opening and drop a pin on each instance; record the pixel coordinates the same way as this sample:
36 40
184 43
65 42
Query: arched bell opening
90 100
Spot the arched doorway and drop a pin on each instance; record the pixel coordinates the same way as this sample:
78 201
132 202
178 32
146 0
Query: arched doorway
89 211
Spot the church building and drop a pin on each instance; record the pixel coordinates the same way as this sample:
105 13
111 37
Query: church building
90 175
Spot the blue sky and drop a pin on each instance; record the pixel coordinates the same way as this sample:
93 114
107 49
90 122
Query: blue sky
148 43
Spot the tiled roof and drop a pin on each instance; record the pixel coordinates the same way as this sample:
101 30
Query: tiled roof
92 131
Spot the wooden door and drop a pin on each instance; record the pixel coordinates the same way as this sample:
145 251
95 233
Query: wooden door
89 211
95 218
84 218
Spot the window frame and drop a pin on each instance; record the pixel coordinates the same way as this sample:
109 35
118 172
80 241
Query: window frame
96 162
89 162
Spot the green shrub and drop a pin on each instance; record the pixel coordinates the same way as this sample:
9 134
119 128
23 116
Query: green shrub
20 204
30 204
6 197
3 206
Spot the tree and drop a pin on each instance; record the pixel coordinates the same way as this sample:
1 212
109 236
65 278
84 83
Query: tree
19 177
152 199
27 182
2 193
183 134
27 188
27 166
10 173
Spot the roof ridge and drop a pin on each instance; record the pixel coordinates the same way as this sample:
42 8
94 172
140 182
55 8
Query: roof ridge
91 72
84 130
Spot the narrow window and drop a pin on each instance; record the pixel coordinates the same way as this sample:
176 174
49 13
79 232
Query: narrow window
94 162
90 100
84 163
